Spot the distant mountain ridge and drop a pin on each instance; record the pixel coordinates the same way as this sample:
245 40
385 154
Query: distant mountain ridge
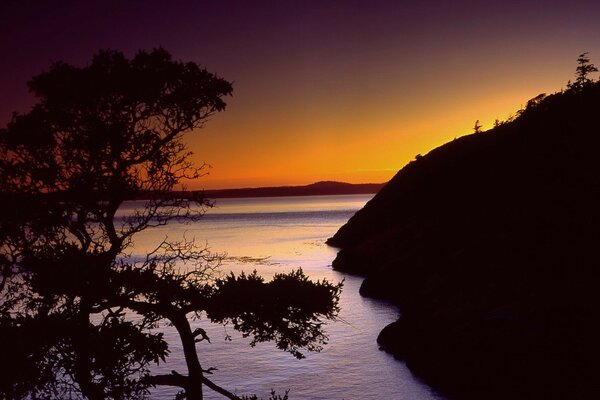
314 189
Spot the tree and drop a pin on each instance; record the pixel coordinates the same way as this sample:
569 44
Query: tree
477 127
536 101
75 309
582 72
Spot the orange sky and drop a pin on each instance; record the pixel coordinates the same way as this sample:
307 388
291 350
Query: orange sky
337 90
349 133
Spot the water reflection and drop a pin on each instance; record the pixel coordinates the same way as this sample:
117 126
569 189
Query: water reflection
278 234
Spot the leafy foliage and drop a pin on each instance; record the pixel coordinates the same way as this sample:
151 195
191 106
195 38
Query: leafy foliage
78 312
273 396
287 309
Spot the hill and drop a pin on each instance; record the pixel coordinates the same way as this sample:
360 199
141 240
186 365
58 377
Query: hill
315 189
489 245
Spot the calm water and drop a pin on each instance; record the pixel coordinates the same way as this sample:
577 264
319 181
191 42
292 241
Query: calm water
278 234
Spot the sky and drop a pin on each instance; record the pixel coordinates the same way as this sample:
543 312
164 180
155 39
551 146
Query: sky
323 90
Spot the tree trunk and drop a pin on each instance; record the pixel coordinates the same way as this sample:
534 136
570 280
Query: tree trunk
193 388
88 387
83 361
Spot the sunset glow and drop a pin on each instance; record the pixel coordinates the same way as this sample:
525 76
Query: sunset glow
345 91
299 199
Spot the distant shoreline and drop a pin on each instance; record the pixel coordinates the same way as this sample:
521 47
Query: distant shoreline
315 189
325 188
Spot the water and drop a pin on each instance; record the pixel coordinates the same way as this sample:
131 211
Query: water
273 235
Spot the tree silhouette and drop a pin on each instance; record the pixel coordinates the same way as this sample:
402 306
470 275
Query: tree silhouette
77 314
582 72
477 127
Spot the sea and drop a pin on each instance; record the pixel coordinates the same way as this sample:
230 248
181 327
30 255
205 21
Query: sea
279 234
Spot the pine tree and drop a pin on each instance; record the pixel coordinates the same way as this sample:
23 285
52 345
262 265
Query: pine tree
582 72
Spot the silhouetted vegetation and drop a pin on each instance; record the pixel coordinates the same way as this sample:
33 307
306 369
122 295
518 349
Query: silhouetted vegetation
584 69
489 245
272 396
77 312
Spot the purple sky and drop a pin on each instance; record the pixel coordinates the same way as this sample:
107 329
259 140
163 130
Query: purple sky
325 89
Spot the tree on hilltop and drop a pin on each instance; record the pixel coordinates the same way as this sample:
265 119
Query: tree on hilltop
77 313
582 72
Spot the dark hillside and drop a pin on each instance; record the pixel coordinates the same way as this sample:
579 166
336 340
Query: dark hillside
489 244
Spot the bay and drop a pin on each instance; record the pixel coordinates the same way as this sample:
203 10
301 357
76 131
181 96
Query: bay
272 235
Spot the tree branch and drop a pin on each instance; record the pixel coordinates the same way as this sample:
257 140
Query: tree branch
183 381
219 389
166 380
